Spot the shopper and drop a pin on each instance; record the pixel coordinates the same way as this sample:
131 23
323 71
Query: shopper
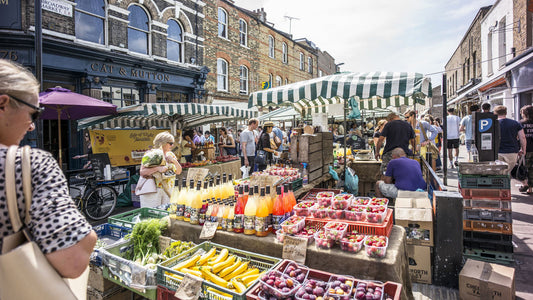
187 145
199 138
486 107
238 142
61 232
278 138
164 182
398 134
265 145
512 138
402 174
248 144
209 137
466 126
527 124
226 142
452 136
424 131
377 134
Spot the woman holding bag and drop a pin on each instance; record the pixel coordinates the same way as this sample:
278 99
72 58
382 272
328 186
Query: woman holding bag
264 147
59 231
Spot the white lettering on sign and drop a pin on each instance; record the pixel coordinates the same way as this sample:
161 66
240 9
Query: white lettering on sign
294 248
58 6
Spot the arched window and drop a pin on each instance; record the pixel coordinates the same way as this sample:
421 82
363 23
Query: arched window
278 81
90 20
302 61
285 53
222 23
243 33
222 75
138 30
174 41
244 79
270 46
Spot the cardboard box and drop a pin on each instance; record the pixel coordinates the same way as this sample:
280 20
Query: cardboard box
413 211
97 280
483 280
419 263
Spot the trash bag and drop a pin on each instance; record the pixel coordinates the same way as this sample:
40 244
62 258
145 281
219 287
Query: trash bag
351 181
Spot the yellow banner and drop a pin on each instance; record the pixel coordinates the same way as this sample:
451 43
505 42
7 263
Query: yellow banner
124 147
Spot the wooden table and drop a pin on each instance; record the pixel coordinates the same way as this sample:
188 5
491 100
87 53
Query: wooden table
231 167
394 267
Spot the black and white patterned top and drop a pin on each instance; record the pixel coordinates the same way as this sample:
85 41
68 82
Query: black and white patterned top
56 223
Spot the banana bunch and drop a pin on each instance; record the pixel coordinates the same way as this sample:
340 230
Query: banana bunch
223 269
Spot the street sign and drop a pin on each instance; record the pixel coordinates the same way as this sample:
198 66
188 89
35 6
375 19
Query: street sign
265 85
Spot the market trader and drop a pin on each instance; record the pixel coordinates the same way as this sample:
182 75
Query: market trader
402 174
398 133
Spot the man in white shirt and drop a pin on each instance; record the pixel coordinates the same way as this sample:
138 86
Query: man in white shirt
453 125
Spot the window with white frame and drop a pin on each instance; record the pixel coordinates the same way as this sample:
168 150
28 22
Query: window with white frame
310 65
138 30
285 53
270 46
222 23
286 81
270 79
90 20
489 53
502 51
302 67
320 73
243 33
174 41
244 79
222 75
278 81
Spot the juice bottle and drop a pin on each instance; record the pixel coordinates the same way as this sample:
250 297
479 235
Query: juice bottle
292 199
223 191
246 194
180 199
174 203
196 204
220 215
210 202
238 220
203 210
270 205
225 215
278 212
230 188
249 214
261 215
286 201
216 200
214 212
189 195
231 217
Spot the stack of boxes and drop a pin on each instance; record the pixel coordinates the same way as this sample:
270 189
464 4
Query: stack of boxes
487 217
413 212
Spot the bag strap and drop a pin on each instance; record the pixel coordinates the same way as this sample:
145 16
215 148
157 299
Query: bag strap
423 131
11 194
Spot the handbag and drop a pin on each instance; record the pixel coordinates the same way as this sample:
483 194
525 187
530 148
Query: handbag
145 186
25 273
261 157
520 171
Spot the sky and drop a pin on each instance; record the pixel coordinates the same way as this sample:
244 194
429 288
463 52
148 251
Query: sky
378 35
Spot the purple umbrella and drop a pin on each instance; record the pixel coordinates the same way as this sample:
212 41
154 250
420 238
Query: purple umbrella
62 104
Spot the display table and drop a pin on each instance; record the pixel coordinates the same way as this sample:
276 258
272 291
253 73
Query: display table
394 267
231 167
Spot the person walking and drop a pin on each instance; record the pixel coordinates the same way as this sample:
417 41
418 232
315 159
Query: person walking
527 124
248 142
485 107
265 145
398 134
466 126
512 138
453 137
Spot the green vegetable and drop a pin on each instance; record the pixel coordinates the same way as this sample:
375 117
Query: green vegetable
145 238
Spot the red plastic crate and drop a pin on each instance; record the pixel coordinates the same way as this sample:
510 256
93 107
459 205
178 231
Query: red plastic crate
486 226
384 228
494 194
165 294
311 195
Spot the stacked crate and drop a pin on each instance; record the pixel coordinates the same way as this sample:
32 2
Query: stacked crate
487 216
315 150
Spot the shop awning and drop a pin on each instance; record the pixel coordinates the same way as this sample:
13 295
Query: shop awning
161 115
373 90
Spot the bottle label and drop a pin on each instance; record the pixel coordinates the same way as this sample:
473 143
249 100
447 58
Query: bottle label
261 224
269 221
187 212
201 218
180 210
229 224
213 218
224 223
249 222
276 221
194 212
238 222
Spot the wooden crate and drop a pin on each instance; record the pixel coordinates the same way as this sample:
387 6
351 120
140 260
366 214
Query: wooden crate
367 188
327 148
309 148
315 174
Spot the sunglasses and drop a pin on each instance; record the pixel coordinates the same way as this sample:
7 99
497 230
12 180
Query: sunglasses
38 110
171 144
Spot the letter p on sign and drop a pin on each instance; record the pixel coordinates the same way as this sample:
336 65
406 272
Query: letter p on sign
485 124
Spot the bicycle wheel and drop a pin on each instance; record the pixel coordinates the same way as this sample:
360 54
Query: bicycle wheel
100 202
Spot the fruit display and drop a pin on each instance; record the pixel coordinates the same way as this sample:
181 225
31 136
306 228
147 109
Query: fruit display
319 211
361 201
324 198
368 290
340 287
286 173
355 213
379 201
375 214
225 158
322 241
335 213
376 245
335 230
303 208
278 285
307 232
296 271
312 290
293 224
352 241
341 201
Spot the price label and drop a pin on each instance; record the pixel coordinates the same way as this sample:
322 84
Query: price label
208 230
294 248
196 174
164 242
189 288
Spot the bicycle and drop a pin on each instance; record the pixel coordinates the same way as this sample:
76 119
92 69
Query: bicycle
95 199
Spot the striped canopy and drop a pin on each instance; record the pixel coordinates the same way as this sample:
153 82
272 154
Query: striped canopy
161 115
374 90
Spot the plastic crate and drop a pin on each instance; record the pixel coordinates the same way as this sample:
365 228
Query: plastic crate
495 237
311 195
485 182
362 227
484 168
262 262
126 219
489 256
506 247
297 184
494 194
504 205
109 234
488 215
486 226
165 294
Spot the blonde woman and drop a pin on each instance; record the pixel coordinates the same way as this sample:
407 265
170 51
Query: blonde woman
164 183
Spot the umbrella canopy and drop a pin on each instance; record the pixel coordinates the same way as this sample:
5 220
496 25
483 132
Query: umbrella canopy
373 90
72 106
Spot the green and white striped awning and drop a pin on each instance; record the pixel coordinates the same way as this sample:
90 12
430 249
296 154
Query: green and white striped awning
161 115
373 90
